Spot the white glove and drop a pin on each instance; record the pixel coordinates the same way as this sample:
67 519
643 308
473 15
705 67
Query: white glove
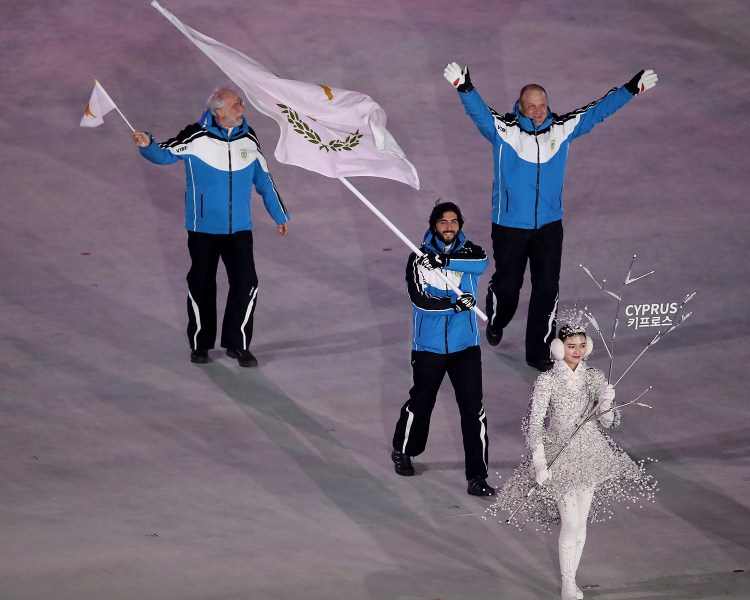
459 78
605 398
540 465
643 81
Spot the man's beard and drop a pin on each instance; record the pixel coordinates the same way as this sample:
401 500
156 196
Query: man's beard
446 242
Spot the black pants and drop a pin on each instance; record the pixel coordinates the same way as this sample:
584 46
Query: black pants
465 372
236 252
512 248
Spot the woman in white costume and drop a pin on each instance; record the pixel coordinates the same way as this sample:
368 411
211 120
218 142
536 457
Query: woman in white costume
591 472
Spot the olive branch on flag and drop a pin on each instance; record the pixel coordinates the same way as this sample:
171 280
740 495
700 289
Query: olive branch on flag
378 154
311 136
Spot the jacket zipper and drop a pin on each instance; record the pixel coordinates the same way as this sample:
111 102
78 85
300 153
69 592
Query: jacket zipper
447 293
446 334
538 168
229 153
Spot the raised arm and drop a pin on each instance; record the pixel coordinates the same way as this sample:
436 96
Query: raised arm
478 111
595 112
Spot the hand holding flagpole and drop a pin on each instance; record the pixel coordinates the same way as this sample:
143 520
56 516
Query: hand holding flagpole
407 241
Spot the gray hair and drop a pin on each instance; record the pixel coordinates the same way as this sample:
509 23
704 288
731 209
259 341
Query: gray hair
216 99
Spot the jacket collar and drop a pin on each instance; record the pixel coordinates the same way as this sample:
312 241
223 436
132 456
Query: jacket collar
528 124
431 243
209 123
569 375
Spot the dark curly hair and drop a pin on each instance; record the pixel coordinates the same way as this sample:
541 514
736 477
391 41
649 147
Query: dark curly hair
440 209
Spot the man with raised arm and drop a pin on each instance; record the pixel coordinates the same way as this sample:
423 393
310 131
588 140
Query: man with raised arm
530 151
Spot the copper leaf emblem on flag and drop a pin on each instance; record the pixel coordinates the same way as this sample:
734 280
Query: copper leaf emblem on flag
311 136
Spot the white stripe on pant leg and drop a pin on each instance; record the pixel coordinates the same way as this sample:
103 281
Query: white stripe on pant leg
483 437
494 307
552 316
250 306
409 421
197 314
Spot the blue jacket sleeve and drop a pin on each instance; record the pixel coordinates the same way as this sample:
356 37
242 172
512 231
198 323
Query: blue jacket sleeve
263 182
469 259
156 154
418 291
594 113
480 113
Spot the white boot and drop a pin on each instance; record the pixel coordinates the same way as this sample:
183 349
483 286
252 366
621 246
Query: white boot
568 590
579 550
584 499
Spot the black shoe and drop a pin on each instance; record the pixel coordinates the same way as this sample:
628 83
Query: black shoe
478 487
402 463
493 337
244 357
542 365
199 356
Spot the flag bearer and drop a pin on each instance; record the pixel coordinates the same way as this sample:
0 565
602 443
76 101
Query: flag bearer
445 340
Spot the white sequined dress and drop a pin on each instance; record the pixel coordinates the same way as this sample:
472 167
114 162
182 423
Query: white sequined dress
561 397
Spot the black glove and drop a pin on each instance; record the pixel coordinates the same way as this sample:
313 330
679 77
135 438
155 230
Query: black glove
643 80
433 261
459 78
464 302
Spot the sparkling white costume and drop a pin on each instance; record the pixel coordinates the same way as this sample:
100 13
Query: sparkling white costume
590 461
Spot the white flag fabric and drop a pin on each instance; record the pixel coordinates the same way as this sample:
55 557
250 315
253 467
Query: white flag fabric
99 105
334 132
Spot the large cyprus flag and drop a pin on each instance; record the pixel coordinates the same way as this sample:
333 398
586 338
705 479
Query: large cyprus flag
334 132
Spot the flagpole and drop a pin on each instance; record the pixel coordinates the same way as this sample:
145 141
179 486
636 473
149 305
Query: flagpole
99 85
406 241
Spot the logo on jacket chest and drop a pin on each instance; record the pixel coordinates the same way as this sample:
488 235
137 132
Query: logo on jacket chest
244 153
433 279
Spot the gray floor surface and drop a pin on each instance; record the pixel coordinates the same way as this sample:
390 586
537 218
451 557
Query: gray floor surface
128 472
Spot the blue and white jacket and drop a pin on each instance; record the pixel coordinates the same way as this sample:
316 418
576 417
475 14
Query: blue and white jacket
220 170
436 326
527 192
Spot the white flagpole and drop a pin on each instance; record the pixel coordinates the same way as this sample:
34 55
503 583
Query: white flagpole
406 241
99 85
